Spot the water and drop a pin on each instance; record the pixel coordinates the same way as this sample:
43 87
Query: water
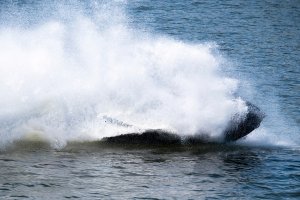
75 72
91 171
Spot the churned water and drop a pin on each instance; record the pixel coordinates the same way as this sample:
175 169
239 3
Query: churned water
74 72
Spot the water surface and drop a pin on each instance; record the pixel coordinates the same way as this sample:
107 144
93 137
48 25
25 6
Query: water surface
258 45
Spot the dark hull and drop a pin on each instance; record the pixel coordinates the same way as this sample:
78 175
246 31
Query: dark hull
238 127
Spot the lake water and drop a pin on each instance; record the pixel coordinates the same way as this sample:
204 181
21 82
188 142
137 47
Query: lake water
74 72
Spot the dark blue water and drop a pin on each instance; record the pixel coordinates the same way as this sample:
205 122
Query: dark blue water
207 172
261 43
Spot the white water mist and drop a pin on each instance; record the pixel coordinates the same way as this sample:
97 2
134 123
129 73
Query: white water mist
81 80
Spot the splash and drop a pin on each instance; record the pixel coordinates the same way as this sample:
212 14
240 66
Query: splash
89 77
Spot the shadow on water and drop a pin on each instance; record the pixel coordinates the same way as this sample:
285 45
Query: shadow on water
194 148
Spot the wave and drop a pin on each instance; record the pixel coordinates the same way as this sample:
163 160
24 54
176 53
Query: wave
83 77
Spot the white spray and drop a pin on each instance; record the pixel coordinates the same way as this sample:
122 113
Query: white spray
80 80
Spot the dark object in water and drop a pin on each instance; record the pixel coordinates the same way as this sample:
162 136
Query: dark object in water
238 127
152 137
